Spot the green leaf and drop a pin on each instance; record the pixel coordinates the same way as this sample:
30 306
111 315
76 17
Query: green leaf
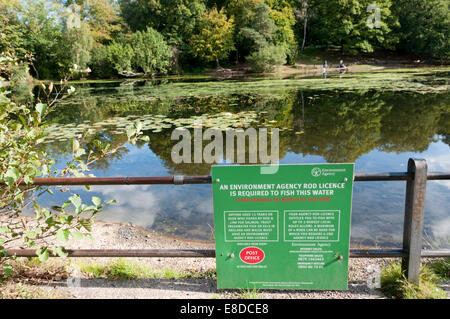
63 234
76 201
41 108
11 175
70 90
96 201
138 126
42 253
80 152
7 269
75 145
67 203
61 252
86 224
130 131
31 234
77 235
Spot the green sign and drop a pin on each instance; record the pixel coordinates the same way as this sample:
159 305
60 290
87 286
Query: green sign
289 229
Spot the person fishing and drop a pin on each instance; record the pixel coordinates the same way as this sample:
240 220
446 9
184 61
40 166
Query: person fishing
342 67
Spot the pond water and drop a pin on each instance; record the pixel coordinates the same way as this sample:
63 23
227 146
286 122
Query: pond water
376 128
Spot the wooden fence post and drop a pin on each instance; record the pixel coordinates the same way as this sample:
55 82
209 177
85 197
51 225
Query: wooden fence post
413 223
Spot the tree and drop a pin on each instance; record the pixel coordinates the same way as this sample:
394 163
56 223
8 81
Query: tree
176 20
265 53
23 158
118 56
42 35
284 20
11 30
215 40
262 28
345 23
143 51
75 47
102 16
151 53
242 11
424 26
266 58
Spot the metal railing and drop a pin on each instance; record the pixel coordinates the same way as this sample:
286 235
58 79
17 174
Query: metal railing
416 179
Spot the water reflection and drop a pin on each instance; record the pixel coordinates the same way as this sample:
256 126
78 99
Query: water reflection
378 131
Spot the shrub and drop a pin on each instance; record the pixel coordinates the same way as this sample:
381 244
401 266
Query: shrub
395 285
151 53
145 51
22 132
267 58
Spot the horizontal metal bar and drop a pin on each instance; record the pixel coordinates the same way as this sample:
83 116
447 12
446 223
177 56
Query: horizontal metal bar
122 253
354 253
400 176
435 253
179 180
376 253
141 180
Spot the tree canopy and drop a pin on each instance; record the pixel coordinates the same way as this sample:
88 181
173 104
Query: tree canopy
52 35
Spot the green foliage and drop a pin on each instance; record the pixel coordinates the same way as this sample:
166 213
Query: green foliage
215 40
125 269
261 29
177 20
261 32
395 285
105 65
441 268
119 56
144 51
75 47
151 53
52 35
267 58
284 19
425 26
102 17
22 132
42 36
345 23
249 294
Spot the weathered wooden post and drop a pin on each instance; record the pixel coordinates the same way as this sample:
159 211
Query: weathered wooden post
413 223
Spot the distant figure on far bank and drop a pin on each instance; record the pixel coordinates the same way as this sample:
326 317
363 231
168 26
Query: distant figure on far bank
325 66
342 67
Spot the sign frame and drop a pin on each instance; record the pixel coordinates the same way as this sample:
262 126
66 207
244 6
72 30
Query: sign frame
301 256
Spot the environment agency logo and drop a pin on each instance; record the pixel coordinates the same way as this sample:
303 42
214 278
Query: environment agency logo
316 171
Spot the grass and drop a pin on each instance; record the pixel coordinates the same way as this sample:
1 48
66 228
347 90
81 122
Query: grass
441 268
249 294
27 274
395 285
13 290
126 269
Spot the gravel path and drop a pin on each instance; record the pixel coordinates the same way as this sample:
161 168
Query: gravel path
124 236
